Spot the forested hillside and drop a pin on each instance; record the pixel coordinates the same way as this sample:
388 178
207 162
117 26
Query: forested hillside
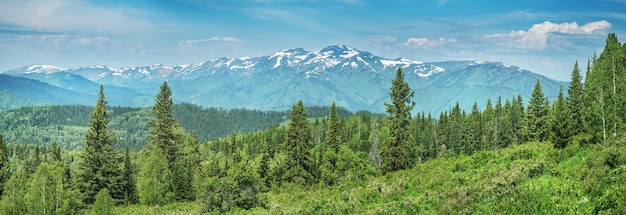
561 157
66 124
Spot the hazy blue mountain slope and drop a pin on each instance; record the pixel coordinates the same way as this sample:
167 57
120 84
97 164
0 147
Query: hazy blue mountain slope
352 78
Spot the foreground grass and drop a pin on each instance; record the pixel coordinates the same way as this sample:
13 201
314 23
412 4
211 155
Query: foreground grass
532 178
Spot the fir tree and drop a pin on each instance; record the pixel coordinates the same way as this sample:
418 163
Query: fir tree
516 117
536 120
4 164
333 137
130 189
604 89
475 128
575 102
374 154
163 124
99 168
559 132
396 153
297 147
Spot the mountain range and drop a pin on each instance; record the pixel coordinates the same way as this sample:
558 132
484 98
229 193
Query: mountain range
354 79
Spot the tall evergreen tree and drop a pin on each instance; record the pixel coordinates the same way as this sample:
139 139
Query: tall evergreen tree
536 120
163 125
488 125
575 102
395 155
100 164
475 129
297 146
333 130
604 89
130 189
374 153
516 117
4 164
559 128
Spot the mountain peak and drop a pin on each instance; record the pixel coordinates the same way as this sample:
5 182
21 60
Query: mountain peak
42 68
288 52
343 51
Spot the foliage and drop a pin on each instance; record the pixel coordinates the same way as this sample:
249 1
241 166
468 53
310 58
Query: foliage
104 204
559 122
4 164
100 164
397 153
154 178
297 144
535 128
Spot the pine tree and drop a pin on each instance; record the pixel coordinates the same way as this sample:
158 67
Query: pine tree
163 125
130 189
559 128
395 155
575 102
99 168
297 147
333 129
4 164
168 136
374 154
455 130
604 89
475 130
516 117
536 120
56 152
594 121
488 125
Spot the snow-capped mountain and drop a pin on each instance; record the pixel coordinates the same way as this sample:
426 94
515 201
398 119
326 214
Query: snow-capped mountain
354 79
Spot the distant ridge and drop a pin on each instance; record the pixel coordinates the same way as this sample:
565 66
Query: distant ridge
356 80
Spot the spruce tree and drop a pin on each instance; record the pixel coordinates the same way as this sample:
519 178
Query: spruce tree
100 164
475 130
559 128
396 153
516 117
575 102
488 125
328 167
4 164
333 129
163 125
297 147
168 136
130 189
604 88
536 120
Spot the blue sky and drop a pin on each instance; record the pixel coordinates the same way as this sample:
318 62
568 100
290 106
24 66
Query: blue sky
544 36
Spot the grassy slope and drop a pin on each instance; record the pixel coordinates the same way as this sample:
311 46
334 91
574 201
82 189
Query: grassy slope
533 178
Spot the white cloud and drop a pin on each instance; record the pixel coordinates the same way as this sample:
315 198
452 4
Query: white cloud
537 35
71 16
185 43
383 39
65 40
422 42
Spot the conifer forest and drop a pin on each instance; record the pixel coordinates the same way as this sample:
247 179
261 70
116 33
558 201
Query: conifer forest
514 156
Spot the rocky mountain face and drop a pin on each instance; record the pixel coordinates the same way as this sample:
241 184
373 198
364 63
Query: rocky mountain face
354 79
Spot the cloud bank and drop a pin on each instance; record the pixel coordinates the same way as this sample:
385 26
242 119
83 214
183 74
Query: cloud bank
537 35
